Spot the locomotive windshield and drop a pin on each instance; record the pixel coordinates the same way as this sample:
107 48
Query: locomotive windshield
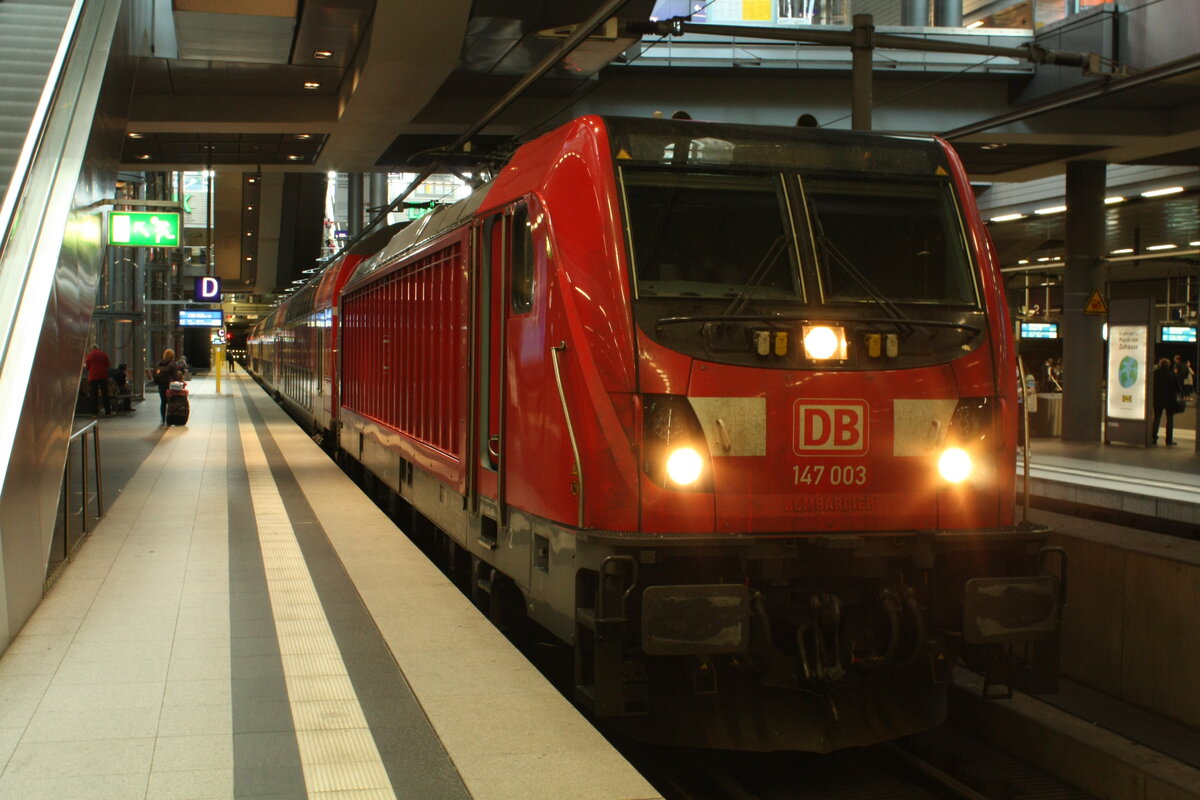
899 240
707 235
737 233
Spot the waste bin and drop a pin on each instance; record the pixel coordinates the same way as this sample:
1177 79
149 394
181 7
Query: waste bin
1047 419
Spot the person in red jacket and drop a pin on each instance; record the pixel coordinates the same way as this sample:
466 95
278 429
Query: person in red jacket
97 368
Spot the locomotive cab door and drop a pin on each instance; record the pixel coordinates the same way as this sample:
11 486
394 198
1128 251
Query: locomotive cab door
505 264
492 255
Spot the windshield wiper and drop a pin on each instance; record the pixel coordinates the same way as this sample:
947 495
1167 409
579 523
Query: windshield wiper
757 276
834 255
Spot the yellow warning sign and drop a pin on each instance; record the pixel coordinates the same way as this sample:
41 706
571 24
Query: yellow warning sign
1096 304
623 153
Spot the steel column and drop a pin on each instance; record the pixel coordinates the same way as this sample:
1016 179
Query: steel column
1083 347
354 203
948 13
863 51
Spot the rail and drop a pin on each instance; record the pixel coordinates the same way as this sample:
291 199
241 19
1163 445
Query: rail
82 434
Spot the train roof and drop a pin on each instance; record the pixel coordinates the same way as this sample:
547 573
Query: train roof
672 143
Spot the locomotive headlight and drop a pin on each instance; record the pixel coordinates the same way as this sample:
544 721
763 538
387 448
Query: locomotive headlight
955 464
824 342
684 466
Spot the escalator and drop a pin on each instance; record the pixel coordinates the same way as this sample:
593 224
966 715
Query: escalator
30 31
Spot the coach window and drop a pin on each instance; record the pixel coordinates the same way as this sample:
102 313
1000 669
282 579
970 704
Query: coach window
522 262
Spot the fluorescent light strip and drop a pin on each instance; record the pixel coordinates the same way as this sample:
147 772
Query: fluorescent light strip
1161 192
1050 210
1162 247
1007 218
1108 201
1122 251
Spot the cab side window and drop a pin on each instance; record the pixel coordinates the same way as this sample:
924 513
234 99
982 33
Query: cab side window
522 262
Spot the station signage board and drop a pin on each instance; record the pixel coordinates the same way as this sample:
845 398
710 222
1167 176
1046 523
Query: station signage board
208 289
201 318
143 228
1039 330
1179 334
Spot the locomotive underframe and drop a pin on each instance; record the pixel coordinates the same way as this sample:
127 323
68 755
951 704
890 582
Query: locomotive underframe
753 642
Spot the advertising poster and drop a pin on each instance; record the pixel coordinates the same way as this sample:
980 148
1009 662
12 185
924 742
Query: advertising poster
1128 371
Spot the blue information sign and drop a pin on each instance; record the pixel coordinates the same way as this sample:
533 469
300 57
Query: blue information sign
1039 330
1179 333
200 318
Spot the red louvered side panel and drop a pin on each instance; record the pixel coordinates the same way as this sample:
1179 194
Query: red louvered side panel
404 350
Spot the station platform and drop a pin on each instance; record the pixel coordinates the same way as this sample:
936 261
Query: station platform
244 623
1153 483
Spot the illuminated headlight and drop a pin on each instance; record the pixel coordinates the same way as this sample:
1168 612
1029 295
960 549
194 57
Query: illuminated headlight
824 342
684 466
955 464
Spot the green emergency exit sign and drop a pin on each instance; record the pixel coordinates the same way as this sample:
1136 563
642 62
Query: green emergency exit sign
143 228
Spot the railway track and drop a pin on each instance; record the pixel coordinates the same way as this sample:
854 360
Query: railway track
943 764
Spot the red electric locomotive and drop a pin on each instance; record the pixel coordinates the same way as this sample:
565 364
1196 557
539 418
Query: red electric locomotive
729 409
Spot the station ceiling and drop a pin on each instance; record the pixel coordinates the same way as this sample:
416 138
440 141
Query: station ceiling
361 86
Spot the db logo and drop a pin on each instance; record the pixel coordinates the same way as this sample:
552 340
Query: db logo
832 427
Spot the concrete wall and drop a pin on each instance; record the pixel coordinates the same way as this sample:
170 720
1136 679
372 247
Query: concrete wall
1131 628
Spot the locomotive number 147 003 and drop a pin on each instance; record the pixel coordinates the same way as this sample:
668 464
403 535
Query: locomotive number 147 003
837 475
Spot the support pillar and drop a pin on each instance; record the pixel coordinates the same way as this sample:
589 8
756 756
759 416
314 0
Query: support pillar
915 13
1083 345
948 13
354 203
862 56
377 193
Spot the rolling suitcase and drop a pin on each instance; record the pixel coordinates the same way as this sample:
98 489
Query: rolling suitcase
178 407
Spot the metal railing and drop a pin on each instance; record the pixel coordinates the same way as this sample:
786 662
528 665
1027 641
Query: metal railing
82 434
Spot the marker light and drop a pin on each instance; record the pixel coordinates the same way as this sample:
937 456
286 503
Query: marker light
823 342
955 465
684 465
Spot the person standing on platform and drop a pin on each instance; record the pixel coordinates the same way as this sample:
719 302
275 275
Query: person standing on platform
1189 380
165 371
97 367
1166 388
229 358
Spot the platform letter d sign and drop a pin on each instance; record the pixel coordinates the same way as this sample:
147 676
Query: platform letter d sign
208 290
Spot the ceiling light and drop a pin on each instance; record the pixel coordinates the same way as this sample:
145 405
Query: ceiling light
1161 192
133 135
1121 252
1162 247
322 54
294 157
1050 210
1044 258
249 258
1023 261
993 146
251 180
973 25
303 135
1193 244
312 85
1007 217
1108 201
144 156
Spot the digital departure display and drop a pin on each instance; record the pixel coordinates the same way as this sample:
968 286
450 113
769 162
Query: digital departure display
1039 330
200 318
1178 333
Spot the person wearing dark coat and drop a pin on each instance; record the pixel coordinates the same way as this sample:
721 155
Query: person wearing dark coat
1167 387
165 371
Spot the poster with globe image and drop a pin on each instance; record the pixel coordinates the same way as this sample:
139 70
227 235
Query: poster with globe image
1128 371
